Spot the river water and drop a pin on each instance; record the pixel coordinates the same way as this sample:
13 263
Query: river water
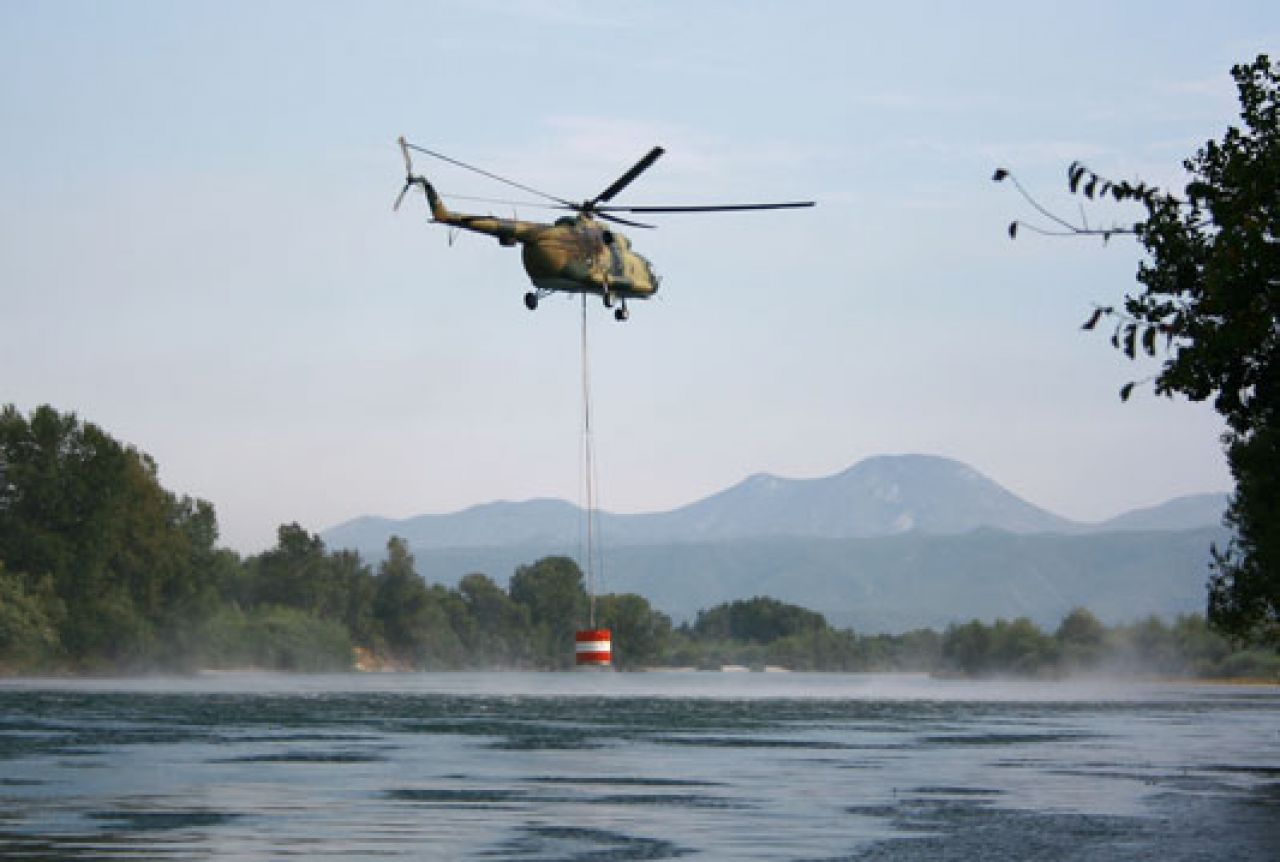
603 766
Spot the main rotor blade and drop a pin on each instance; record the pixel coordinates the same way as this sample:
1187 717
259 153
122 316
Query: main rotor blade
711 208
626 179
442 157
628 222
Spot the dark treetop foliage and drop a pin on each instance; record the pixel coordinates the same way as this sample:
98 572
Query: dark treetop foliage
112 561
1211 302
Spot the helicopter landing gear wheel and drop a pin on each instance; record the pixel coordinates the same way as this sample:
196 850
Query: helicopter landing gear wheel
531 301
621 314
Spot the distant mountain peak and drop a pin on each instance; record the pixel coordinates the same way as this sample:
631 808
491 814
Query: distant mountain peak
892 543
882 495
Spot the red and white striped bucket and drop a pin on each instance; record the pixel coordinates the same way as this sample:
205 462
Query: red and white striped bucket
593 647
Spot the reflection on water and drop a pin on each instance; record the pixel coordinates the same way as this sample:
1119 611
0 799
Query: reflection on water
635 766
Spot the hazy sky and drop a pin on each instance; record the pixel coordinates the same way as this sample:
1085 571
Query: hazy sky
198 253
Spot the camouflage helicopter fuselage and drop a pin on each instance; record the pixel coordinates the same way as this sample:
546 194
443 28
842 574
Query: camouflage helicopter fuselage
576 254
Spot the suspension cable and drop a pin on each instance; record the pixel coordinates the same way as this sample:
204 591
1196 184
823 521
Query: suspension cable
594 562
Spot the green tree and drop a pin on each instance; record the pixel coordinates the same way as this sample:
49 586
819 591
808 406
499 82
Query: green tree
1211 300
918 650
300 573
1148 646
30 615
402 604
639 632
967 648
447 628
296 574
131 563
356 592
498 633
818 649
1202 648
1019 647
758 620
1082 639
552 591
1213 290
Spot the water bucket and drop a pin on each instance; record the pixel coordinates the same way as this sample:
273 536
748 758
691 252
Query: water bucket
593 647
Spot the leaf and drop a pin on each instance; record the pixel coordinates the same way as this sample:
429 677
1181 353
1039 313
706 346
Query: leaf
1198 190
1074 173
1131 340
1149 341
1126 391
1091 185
1000 174
1093 319
1013 230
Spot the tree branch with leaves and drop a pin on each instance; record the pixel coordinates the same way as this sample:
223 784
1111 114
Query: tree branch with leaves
1210 299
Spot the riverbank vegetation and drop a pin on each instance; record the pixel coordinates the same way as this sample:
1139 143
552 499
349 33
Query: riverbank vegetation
104 571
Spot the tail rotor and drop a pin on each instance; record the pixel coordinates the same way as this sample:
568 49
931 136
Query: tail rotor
408 183
409 180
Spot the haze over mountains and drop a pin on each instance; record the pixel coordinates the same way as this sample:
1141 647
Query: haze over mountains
893 542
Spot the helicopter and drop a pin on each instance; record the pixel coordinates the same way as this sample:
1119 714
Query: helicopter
577 253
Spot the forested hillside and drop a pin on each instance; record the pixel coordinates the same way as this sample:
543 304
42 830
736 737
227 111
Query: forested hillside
102 570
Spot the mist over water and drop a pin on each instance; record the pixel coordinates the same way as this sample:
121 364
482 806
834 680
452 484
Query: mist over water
636 766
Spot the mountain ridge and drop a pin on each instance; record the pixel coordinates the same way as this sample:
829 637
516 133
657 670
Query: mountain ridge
890 544
881 495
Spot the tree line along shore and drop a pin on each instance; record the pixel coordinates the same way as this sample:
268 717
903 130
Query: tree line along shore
104 571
